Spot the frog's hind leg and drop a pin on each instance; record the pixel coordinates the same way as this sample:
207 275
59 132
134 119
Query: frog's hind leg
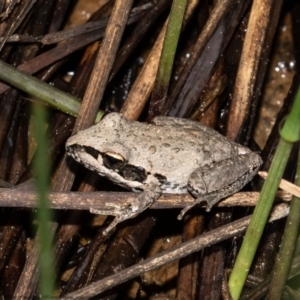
215 196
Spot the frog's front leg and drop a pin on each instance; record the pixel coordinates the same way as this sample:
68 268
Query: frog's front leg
212 183
145 199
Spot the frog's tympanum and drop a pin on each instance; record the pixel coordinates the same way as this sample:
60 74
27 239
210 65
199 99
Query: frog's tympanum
171 155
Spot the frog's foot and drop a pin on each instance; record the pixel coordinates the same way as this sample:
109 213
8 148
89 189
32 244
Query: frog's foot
120 213
211 200
150 194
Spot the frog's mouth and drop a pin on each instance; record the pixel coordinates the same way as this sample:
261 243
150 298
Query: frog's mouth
111 165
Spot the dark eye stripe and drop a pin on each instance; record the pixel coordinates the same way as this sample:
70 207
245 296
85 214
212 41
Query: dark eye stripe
92 151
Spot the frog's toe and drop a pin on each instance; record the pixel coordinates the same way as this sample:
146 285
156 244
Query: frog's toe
187 208
121 214
209 204
182 213
118 219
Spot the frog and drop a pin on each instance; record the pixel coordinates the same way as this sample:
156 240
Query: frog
169 155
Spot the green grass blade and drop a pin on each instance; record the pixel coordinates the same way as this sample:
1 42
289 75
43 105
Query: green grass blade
285 256
164 72
291 127
44 215
41 90
259 219
265 201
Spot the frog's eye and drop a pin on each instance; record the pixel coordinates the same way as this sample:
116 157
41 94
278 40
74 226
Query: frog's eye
113 160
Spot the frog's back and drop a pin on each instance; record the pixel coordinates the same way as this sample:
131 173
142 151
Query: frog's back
178 145
171 152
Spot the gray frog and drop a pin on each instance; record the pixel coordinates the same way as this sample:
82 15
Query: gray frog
171 155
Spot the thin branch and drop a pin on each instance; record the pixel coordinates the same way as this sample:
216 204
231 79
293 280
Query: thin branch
106 200
177 252
55 37
18 20
284 184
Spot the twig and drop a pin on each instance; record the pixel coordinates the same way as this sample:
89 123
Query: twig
103 64
142 87
180 251
19 19
284 184
253 47
55 37
104 200
61 51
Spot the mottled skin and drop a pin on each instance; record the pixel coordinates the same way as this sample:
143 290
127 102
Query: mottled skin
172 155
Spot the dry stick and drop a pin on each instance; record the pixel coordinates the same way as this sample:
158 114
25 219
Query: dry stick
247 71
60 51
104 62
59 36
143 85
19 19
211 25
28 280
106 200
189 267
86 117
139 32
284 184
180 251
